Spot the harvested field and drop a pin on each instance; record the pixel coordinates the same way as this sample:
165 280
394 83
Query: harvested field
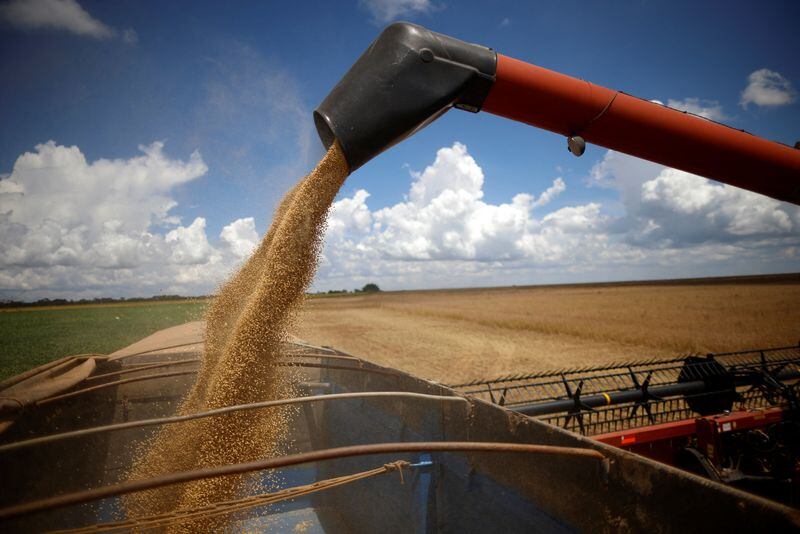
457 335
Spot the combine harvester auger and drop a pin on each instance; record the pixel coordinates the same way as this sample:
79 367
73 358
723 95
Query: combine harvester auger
656 446
410 76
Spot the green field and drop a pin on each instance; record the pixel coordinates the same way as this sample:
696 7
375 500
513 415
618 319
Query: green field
33 336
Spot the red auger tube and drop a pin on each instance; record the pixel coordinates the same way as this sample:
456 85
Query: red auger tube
615 120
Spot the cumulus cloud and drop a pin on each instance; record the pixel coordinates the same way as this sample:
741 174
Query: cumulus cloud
54 14
710 109
71 227
445 217
445 221
384 11
551 192
65 15
767 88
445 234
668 207
189 244
241 237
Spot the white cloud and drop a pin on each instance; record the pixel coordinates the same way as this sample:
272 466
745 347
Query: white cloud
453 170
710 109
384 11
551 192
74 228
70 227
726 209
767 88
241 236
445 219
350 215
668 206
64 15
189 244
445 234
54 14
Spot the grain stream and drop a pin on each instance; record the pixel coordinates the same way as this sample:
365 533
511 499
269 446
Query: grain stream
247 322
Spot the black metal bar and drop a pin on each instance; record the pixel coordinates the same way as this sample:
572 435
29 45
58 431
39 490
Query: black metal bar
622 397
611 399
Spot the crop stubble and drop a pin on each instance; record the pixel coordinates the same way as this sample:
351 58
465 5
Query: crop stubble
459 335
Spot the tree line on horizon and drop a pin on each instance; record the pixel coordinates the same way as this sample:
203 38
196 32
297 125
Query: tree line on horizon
8 303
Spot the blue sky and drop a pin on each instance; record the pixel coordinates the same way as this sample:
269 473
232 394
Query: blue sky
235 86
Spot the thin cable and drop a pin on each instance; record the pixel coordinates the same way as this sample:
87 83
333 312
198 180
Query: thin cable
220 411
602 112
132 486
236 505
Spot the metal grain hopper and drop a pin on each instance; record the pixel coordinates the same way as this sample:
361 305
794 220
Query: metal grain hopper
361 427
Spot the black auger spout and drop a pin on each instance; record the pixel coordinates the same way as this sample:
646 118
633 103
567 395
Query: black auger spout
407 78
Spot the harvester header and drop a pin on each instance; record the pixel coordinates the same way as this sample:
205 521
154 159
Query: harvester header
409 76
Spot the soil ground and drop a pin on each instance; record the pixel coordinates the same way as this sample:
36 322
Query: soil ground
457 335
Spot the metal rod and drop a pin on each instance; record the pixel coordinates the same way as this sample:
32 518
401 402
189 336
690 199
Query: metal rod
326 356
140 366
150 351
338 367
220 411
193 371
621 397
611 398
132 486
143 368
192 360
79 392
